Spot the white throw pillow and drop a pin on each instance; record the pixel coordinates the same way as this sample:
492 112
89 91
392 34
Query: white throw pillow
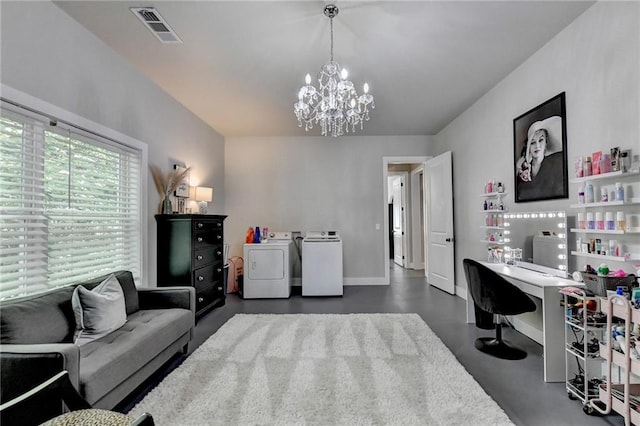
99 311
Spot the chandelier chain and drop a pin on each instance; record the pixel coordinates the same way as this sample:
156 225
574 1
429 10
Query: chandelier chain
331 20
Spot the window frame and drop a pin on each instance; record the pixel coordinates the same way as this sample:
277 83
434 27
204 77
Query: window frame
26 104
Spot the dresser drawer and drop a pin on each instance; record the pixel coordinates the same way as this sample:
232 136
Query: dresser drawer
207 225
204 256
207 238
203 275
205 294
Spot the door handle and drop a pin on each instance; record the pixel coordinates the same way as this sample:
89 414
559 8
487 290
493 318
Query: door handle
449 240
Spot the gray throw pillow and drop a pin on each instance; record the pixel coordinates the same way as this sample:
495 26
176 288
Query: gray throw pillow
99 311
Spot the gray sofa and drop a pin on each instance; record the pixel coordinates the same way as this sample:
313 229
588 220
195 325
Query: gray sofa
37 342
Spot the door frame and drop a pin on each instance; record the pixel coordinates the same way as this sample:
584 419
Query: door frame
386 161
406 206
418 256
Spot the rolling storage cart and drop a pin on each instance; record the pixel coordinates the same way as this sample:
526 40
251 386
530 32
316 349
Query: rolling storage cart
622 397
584 327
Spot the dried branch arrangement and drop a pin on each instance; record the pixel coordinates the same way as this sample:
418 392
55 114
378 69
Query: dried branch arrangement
166 184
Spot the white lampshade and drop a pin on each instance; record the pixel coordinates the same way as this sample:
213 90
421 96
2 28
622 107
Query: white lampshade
203 196
204 193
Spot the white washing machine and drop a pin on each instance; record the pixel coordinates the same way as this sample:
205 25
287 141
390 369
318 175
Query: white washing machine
322 264
268 267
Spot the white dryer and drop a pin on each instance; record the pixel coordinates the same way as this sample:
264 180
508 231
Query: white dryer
268 267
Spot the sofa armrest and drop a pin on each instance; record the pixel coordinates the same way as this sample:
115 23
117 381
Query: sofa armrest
24 366
168 297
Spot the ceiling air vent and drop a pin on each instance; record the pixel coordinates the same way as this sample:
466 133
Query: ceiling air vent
156 24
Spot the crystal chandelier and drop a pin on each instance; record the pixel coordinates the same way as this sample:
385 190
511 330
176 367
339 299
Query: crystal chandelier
335 104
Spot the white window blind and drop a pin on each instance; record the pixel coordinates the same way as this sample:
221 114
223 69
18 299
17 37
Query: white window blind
70 207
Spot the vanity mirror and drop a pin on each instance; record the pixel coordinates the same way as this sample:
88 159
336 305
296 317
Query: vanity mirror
542 239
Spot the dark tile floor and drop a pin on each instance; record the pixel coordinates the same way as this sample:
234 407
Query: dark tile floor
517 386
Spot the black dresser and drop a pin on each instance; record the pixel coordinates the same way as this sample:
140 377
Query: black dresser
190 252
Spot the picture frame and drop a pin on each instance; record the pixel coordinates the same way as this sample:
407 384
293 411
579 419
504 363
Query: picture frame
540 152
182 189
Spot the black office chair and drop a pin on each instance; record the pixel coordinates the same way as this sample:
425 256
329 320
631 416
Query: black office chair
493 294
20 410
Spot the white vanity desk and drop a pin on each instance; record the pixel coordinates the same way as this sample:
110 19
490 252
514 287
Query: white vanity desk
551 337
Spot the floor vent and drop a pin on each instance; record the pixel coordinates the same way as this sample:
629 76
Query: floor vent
156 24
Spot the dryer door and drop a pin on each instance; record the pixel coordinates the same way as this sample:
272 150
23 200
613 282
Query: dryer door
265 264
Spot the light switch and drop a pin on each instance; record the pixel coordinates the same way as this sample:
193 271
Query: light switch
377 226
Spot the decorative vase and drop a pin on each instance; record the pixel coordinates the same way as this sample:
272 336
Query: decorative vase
166 207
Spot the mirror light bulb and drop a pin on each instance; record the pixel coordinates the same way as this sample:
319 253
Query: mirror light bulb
365 88
307 79
344 74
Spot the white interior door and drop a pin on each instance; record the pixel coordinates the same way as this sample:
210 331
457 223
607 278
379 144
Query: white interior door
440 269
397 189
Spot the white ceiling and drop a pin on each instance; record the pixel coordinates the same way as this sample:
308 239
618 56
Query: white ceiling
242 63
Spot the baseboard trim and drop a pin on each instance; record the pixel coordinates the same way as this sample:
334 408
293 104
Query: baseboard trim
351 281
461 292
366 281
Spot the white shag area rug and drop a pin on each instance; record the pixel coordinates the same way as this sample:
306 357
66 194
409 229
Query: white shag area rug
355 369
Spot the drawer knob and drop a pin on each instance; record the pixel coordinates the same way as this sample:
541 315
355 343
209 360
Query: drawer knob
199 257
200 278
219 270
200 299
219 224
219 288
218 252
200 225
219 237
200 239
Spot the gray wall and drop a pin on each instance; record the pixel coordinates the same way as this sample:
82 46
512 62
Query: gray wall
312 183
48 55
595 60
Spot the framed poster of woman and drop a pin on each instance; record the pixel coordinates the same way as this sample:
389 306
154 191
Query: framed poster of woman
540 152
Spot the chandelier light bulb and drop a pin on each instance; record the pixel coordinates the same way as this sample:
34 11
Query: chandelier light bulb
334 104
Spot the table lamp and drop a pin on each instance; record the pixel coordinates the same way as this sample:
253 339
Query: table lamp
203 196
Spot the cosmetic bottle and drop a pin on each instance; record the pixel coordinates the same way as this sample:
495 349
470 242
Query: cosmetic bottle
620 221
586 166
256 235
599 220
588 193
591 223
581 195
581 222
619 191
604 195
610 224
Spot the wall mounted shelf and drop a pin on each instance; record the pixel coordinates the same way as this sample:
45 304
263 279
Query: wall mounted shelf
600 231
632 258
631 202
605 176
